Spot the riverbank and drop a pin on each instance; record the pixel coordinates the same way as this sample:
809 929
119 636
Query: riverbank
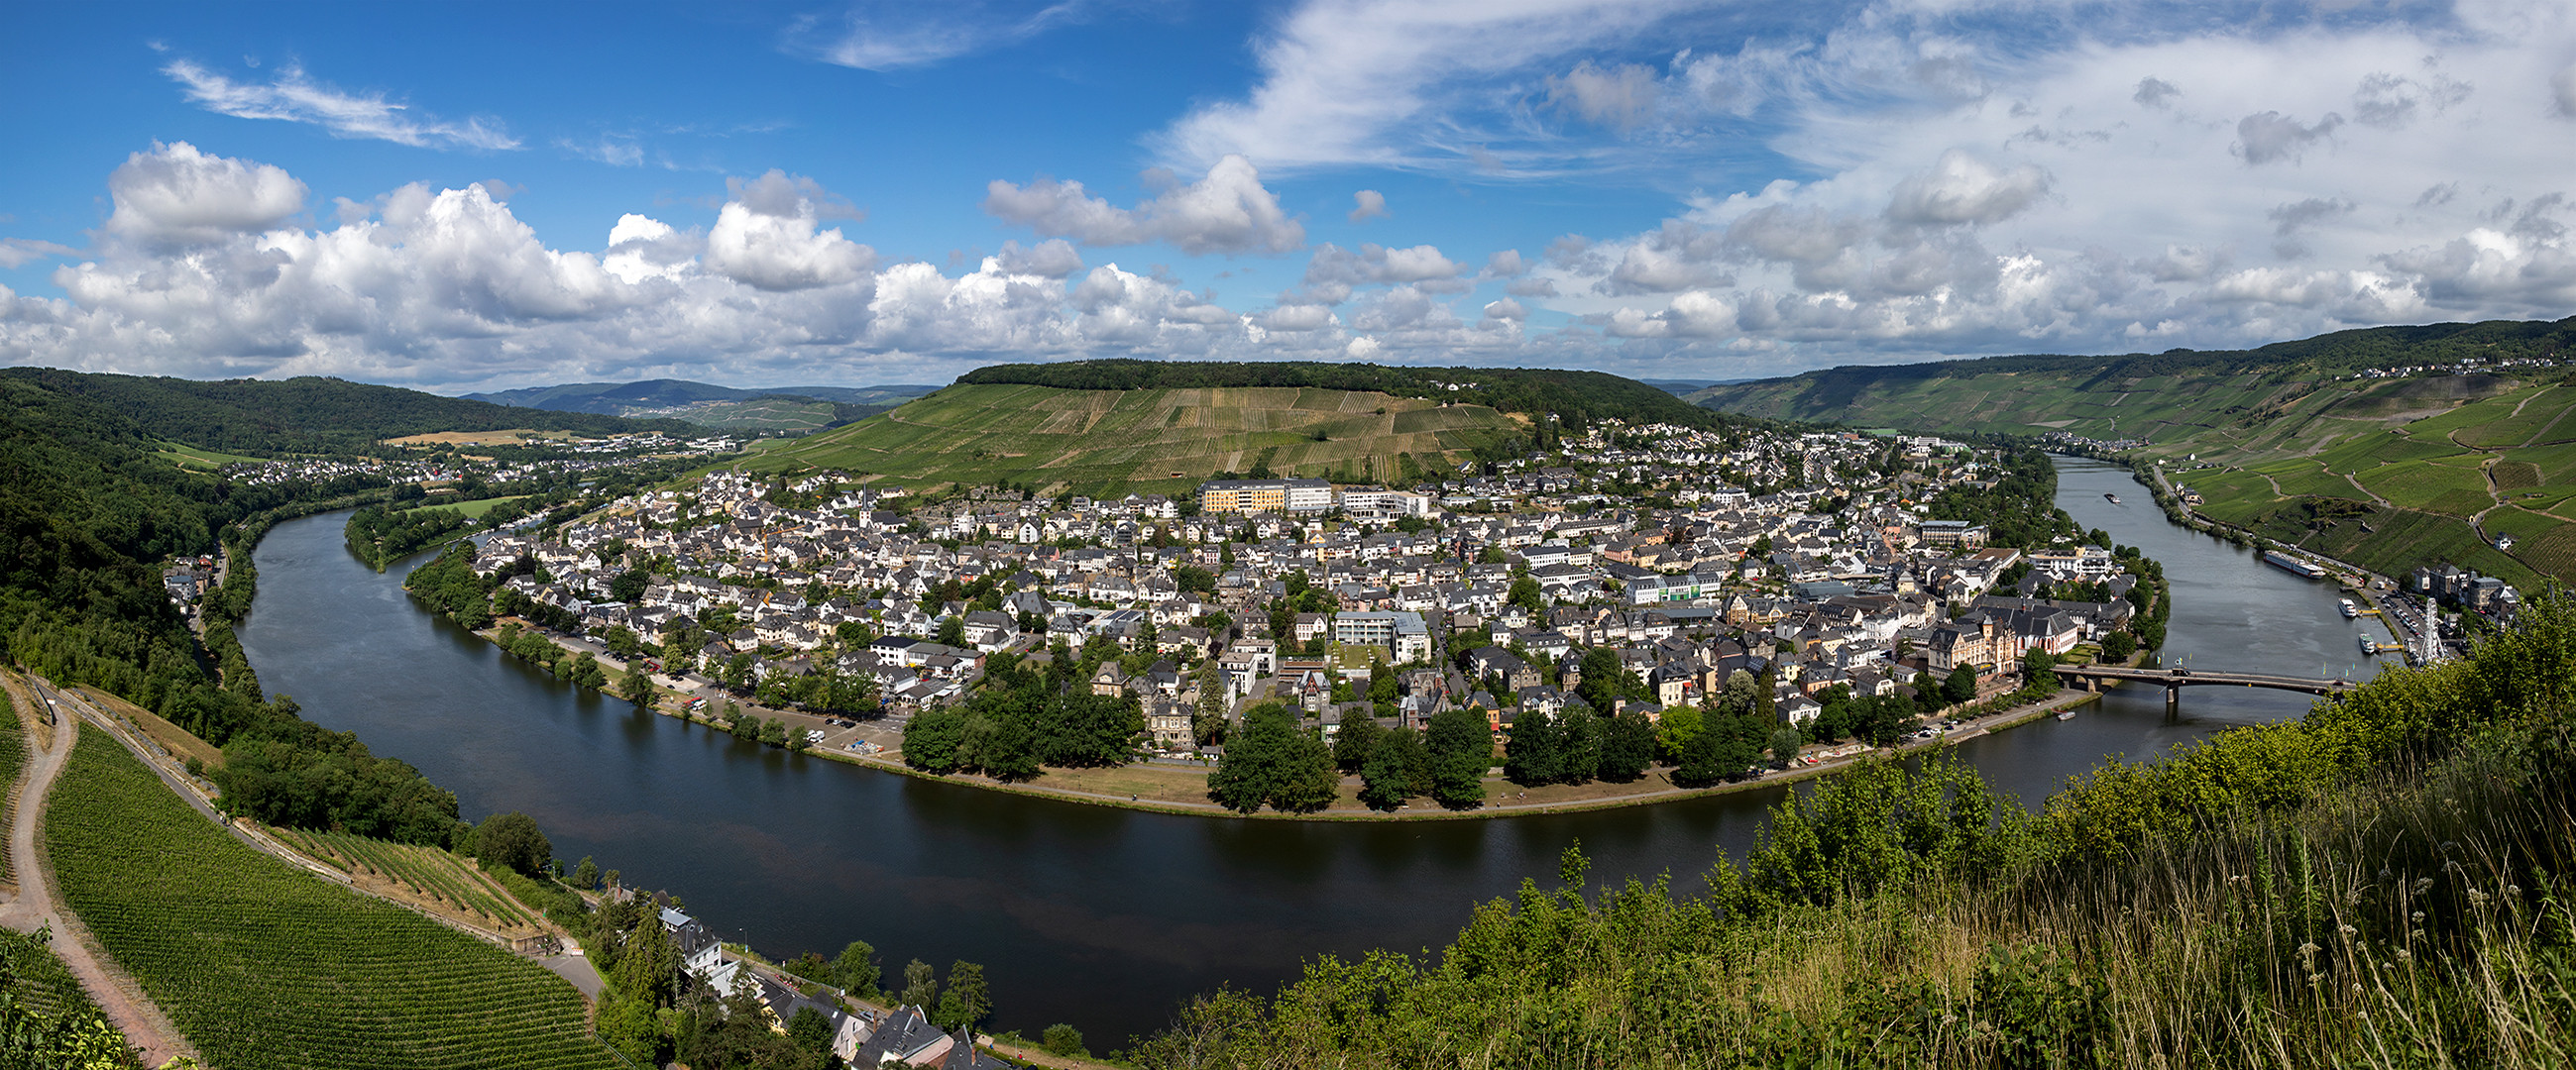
1182 787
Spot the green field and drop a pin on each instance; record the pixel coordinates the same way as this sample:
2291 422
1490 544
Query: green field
427 871
475 509
202 460
263 965
1117 441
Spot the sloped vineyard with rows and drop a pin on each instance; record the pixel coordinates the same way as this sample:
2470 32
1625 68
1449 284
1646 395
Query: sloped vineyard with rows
263 965
426 871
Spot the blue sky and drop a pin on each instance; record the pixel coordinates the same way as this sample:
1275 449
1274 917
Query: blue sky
460 196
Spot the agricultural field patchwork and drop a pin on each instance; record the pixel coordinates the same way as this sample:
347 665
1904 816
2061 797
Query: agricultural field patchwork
263 965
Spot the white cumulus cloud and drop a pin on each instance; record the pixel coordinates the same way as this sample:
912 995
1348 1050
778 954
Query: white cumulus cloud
767 237
175 193
1228 211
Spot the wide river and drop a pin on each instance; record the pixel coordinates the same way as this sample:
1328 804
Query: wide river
1100 917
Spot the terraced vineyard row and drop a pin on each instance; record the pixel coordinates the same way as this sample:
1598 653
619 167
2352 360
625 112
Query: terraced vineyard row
427 871
1146 440
261 965
13 758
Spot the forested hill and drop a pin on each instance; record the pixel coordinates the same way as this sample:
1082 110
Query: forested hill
1972 394
1577 397
617 398
88 512
308 414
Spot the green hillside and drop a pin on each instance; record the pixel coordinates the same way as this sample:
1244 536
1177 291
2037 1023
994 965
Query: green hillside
2387 472
307 414
1117 441
1574 398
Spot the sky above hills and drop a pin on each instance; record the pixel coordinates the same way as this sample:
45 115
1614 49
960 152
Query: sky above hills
469 196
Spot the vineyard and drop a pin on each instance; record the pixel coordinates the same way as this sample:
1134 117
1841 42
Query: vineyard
443 879
261 965
13 759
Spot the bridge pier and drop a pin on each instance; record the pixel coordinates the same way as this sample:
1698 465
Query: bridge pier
2173 700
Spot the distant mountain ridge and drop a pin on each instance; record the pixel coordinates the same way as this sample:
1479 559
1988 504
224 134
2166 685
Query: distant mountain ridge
306 414
611 399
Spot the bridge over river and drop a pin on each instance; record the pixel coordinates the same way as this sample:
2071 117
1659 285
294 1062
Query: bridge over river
2097 677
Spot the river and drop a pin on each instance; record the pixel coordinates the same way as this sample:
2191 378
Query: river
1100 917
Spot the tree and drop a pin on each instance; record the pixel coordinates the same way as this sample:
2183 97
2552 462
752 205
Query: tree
1274 762
648 966
586 875
1461 746
966 999
856 969
1065 1040
920 986
1525 593
629 585
1535 754
2119 645
1004 746
1961 686
512 840
636 686
952 631
1385 780
2038 665
1627 747
1606 680
935 741
1312 781
1352 744
810 1030
1784 745
1679 726
1719 752
1579 737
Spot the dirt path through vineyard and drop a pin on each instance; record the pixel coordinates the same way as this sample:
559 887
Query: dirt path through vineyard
115 993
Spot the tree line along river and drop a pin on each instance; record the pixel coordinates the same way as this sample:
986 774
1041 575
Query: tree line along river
1107 918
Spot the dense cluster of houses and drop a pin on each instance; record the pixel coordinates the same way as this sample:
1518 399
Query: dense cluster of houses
574 456
1837 579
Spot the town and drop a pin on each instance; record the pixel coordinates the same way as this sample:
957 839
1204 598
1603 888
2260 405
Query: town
1808 565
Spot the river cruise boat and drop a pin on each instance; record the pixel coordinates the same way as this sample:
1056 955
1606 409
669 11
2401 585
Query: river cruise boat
2369 645
2287 563
2349 610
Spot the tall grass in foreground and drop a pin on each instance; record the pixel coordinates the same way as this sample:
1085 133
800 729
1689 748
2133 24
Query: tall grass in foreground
2382 883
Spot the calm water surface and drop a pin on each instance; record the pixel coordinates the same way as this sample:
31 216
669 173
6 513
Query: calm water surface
1102 918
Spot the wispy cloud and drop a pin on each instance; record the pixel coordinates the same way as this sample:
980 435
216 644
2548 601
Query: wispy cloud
609 149
18 251
295 97
889 37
